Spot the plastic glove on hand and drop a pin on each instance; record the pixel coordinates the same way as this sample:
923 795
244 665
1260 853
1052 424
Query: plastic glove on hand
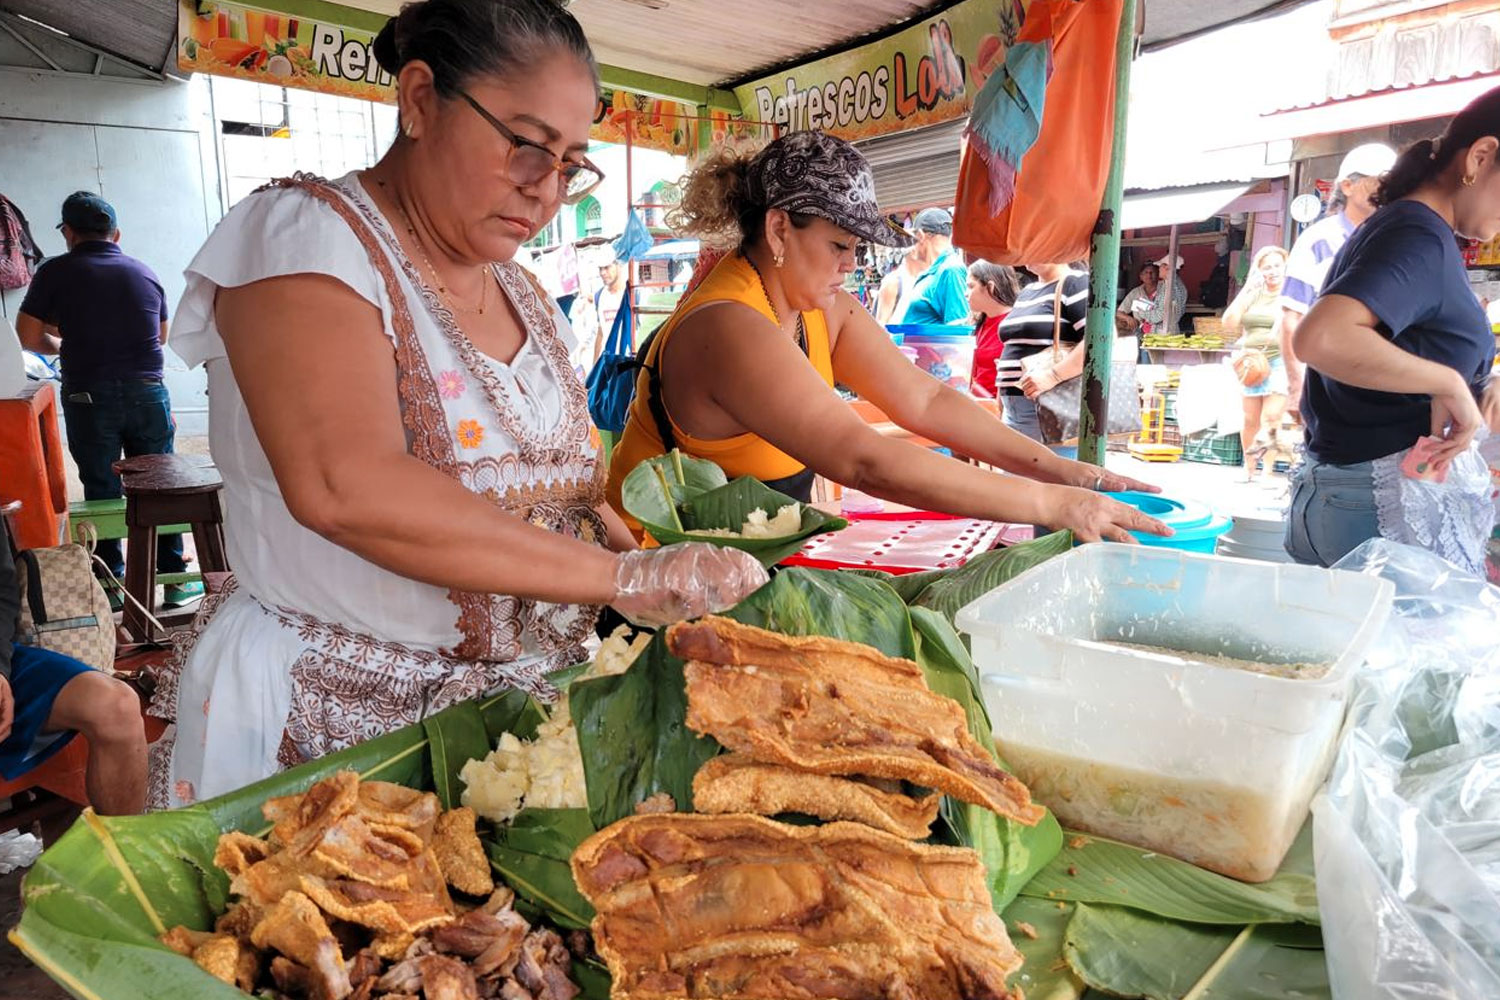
656 587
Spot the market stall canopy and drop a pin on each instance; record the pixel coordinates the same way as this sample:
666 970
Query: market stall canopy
679 49
1178 206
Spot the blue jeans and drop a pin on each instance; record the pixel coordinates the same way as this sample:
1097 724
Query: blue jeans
105 420
1332 512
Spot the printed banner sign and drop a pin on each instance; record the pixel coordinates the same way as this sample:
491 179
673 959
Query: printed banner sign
267 46
922 75
283 48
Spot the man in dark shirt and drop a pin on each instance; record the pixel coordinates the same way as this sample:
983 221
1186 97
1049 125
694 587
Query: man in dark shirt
105 314
46 698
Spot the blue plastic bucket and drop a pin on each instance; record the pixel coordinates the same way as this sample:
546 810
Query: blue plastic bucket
1196 527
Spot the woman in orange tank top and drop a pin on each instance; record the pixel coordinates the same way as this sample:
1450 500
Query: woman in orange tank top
742 373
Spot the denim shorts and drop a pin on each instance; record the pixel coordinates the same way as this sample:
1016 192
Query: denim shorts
1275 383
1332 512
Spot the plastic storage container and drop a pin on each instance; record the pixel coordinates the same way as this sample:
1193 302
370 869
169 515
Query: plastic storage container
944 352
1208 763
1195 527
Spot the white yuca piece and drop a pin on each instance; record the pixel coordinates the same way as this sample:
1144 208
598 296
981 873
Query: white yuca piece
546 772
788 521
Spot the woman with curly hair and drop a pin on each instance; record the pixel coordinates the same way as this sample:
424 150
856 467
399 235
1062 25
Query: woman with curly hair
742 373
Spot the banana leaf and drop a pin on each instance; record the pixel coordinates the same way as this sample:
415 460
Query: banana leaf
673 495
1013 853
949 591
1094 870
1046 974
455 736
1126 953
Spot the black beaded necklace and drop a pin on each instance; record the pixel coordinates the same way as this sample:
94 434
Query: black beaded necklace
801 325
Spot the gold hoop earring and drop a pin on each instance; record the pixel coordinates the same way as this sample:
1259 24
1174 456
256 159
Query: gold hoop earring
406 128
1468 180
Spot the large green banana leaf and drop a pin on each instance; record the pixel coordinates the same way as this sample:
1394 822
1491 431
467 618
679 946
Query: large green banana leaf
673 495
1122 945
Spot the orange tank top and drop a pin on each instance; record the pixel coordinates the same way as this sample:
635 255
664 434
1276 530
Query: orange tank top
731 280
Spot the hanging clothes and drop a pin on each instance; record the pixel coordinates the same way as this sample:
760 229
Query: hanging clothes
1060 183
19 254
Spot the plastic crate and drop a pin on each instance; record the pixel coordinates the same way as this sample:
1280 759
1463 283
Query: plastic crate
1212 448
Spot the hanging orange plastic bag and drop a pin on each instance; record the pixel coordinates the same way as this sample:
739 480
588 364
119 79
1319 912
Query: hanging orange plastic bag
1061 180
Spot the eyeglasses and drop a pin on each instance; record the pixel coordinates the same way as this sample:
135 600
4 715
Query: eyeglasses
531 163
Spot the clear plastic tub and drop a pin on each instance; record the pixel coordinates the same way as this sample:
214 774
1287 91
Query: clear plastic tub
1170 751
944 352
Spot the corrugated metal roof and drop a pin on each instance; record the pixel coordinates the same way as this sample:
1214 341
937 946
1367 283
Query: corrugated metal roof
1399 53
138 31
1171 21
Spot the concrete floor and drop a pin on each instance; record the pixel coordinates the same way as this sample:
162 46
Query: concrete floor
19 979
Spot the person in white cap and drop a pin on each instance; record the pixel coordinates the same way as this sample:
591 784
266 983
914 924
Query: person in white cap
1312 255
1155 318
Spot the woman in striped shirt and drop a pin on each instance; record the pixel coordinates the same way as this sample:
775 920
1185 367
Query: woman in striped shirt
1028 330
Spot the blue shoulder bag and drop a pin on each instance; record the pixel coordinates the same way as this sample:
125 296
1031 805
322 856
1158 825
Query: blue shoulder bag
611 383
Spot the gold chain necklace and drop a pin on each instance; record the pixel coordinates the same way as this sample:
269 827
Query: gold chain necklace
451 298
801 326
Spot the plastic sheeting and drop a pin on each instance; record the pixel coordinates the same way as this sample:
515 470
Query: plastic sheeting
1407 835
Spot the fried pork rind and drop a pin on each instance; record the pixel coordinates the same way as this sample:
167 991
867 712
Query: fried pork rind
350 849
363 869
237 851
226 958
295 927
744 908
392 947
402 913
301 820
265 882
833 707
184 941
735 783
240 919
384 805
459 853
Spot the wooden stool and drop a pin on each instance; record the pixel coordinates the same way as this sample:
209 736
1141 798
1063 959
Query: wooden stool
162 490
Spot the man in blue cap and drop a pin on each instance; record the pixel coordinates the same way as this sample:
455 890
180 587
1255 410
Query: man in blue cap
941 292
105 314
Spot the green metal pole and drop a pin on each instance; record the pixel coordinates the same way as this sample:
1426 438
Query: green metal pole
1104 263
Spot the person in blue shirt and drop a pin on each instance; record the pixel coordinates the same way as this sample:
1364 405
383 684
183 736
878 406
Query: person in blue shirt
1398 348
941 291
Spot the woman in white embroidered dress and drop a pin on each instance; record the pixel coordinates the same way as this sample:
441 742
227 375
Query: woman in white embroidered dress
413 511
